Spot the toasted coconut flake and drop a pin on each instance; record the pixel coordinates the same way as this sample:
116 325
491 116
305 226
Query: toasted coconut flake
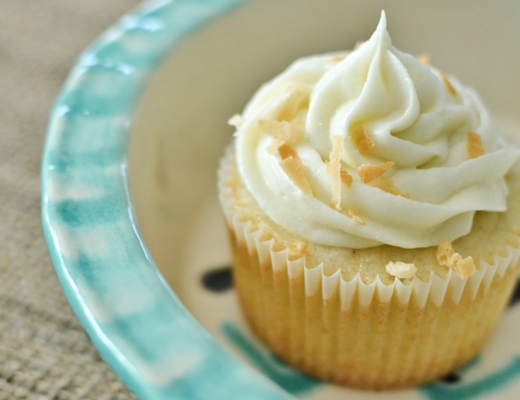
236 121
284 133
357 219
474 145
361 140
334 170
401 270
299 123
292 133
298 248
345 177
293 167
444 252
298 93
448 84
368 172
424 59
446 256
465 267
274 145
287 151
270 127
384 183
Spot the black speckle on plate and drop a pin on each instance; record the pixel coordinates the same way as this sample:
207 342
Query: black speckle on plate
451 378
515 298
218 279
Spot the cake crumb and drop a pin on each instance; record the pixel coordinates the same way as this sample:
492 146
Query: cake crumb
334 170
299 248
283 132
236 121
293 167
368 172
362 140
401 270
424 59
448 84
474 145
446 255
357 219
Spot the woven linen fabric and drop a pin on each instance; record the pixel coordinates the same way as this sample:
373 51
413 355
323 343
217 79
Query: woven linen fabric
44 352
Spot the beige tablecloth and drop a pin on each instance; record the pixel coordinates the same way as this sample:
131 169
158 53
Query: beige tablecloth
44 352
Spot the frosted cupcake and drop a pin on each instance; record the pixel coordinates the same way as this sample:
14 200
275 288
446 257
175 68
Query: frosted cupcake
374 216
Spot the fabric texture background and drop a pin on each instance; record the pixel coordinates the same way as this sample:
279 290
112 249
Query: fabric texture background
44 352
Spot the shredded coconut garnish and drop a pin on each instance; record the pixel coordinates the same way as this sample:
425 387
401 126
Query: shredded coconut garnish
368 172
357 219
444 252
236 121
448 84
334 170
361 140
293 167
287 151
384 183
446 256
299 123
465 267
401 270
474 145
424 59
345 178
298 93
283 132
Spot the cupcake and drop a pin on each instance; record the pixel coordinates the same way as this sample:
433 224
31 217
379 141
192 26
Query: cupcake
374 216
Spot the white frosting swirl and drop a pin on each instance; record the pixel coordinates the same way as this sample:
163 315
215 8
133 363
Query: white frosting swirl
414 117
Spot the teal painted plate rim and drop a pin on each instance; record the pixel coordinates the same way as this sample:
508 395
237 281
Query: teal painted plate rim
136 321
133 317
